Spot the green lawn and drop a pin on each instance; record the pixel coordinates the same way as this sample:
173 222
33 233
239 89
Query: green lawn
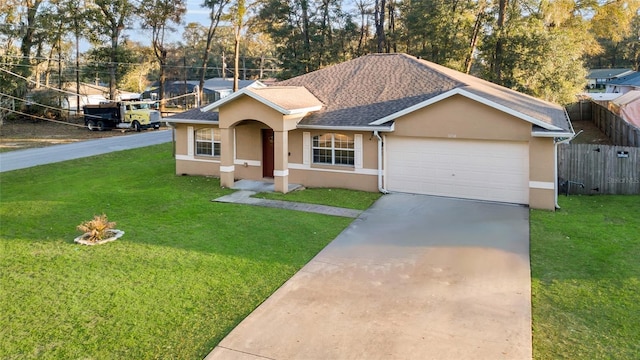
359 200
185 273
585 261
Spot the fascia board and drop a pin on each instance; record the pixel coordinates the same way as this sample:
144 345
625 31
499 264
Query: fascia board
348 128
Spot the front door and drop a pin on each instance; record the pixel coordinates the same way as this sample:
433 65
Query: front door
267 153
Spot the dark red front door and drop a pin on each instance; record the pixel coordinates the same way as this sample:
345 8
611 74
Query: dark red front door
267 153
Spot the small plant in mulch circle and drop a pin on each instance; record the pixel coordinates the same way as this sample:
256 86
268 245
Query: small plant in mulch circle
97 231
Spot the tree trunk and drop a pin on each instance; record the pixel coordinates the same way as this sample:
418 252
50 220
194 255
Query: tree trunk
468 61
497 56
236 59
379 13
214 17
112 65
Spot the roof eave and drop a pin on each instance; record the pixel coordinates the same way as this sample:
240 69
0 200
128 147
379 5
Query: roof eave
189 121
552 134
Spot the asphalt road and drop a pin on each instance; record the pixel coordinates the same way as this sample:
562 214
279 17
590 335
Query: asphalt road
22 159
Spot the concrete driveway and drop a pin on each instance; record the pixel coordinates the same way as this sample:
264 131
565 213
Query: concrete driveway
415 277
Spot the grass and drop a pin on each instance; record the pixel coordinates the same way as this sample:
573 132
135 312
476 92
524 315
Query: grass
184 274
359 200
586 279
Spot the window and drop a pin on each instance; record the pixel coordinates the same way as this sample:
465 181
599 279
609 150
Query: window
333 149
208 142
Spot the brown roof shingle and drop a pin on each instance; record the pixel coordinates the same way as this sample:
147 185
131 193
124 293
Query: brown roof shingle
372 87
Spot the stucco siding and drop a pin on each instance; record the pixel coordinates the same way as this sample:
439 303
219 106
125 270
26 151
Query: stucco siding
192 167
542 173
461 118
541 159
248 143
543 199
324 179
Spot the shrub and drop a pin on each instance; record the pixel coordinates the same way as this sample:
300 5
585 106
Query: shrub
97 229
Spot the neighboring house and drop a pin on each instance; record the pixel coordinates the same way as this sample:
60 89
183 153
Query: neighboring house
91 94
387 122
627 107
597 78
624 84
214 89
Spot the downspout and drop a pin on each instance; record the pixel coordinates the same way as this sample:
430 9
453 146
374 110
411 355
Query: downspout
555 157
380 187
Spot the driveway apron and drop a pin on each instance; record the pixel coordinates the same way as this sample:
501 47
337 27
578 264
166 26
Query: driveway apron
414 277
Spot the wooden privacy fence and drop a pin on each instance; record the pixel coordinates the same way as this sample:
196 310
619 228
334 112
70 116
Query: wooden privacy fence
617 130
598 169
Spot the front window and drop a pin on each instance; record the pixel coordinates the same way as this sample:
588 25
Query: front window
333 149
208 142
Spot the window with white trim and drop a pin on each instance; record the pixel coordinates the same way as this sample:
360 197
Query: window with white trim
208 142
333 149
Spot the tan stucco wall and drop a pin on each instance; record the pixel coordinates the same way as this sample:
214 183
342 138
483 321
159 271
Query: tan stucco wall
200 165
320 179
542 199
249 140
180 133
541 159
458 117
246 108
542 169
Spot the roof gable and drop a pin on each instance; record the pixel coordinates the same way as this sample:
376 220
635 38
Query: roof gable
608 73
286 100
630 80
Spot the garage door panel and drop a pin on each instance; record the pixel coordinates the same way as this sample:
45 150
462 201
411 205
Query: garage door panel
486 170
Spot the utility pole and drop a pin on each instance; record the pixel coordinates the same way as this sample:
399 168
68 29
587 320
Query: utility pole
75 24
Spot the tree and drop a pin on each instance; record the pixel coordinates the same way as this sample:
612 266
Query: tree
216 9
108 18
238 21
157 15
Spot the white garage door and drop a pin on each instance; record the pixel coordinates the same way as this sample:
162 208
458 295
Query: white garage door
483 170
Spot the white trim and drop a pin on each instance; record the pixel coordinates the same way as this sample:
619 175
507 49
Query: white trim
547 185
384 161
191 143
281 173
306 148
553 134
248 92
227 169
248 162
480 99
357 147
191 158
339 128
296 166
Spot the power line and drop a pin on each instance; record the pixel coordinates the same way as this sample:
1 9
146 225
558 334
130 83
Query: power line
33 103
40 117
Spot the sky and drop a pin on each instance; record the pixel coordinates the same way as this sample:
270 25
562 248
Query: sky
195 13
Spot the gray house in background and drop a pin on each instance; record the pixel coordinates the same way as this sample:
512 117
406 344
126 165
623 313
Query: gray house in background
624 84
597 78
214 89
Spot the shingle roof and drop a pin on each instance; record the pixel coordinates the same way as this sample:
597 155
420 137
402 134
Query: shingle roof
195 114
287 97
377 86
607 73
629 80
